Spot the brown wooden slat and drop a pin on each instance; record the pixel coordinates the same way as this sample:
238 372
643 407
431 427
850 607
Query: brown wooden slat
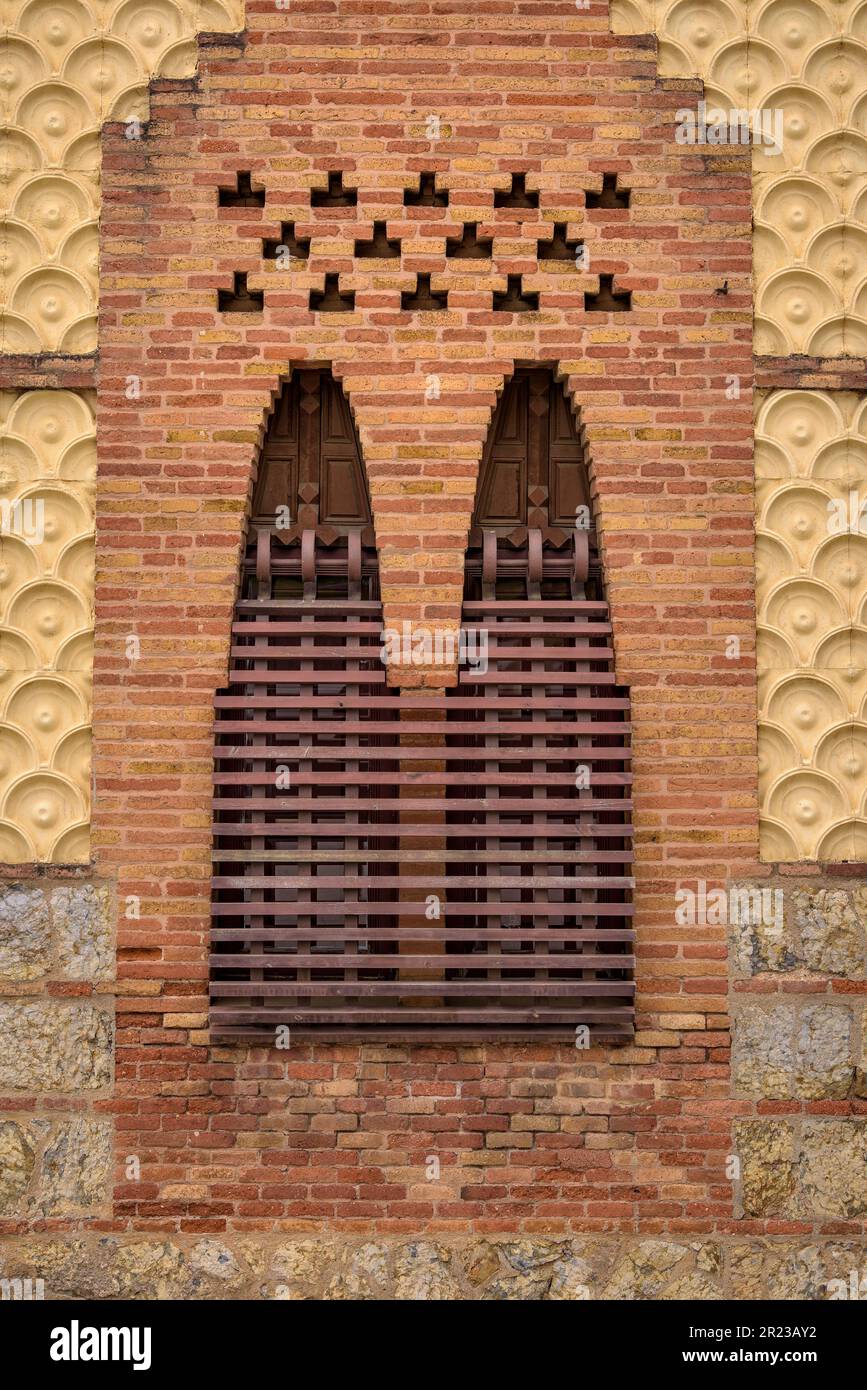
396 799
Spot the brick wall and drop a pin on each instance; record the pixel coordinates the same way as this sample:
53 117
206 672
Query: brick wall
525 1135
535 1139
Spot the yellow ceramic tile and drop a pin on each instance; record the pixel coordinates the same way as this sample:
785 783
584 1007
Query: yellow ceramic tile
47 486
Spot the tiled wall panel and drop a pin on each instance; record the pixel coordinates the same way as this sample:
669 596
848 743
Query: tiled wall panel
808 61
65 68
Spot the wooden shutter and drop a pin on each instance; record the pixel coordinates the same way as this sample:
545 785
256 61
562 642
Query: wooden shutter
430 869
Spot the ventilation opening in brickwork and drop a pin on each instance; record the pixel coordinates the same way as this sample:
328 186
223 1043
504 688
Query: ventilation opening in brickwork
420 865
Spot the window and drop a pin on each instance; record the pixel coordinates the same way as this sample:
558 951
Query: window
422 865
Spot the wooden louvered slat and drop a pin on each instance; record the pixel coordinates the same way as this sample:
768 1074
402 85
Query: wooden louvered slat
397 800
535 926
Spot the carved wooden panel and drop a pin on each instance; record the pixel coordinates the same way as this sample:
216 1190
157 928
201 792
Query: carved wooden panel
533 470
311 459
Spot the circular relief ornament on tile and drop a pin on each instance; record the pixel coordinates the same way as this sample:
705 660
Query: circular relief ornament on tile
52 421
748 68
836 68
43 804
54 113
798 301
149 27
804 611
805 705
806 117
56 26
42 709
841 562
56 520
809 803
800 422
21 67
47 612
793 28
842 755
841 160
698 29
800 516
53 205
101 68
797 206
51 299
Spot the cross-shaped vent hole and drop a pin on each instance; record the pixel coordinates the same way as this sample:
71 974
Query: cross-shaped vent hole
560 247
423 299
468 245
608 300
427 195
335 195
331 300
518 196
610 195
243 195
379 247
240 300
288 246
515 299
